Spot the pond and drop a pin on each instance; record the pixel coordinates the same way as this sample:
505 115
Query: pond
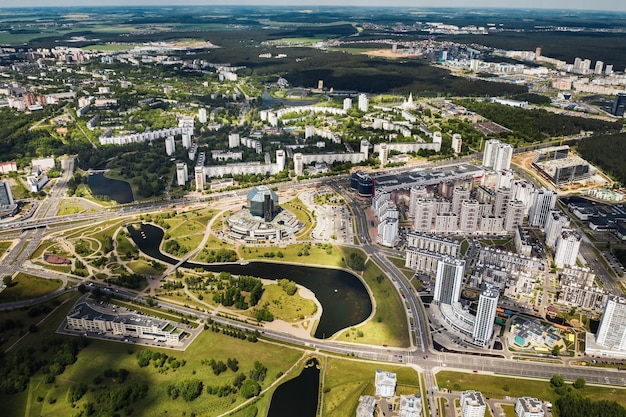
343 296
116 190
298 396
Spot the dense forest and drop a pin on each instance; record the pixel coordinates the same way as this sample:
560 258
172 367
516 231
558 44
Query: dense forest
534 125
606 152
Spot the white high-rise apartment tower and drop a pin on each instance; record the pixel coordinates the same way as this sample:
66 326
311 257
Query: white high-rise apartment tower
186 140
468 219
449 280
363 102
457 142
489 153
567 246
612 330
514 215
298 164
280 159
460 193
170 145
182 176
543 201
347 103
557 221
384 155
200 178
234 140
504 153
486 313
365 148
501 203
202 115
424 214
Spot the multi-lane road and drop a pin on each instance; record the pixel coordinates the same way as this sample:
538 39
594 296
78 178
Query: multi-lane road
420 354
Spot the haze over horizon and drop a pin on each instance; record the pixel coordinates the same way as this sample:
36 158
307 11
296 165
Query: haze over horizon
600 5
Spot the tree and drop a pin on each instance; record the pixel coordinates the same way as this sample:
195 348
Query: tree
239 380
250 388
7 279
233 364
356 261
579 383
557 381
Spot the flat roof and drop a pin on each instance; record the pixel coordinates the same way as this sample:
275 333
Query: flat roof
420 176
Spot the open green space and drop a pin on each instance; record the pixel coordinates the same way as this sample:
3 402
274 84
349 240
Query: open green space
399 263
286 307
192 365
500 387
509 410
4 246
16 322
25 287
143 268
388 325
303 215
345 381
298 253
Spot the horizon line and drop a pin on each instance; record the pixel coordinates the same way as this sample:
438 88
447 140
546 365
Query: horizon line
318 6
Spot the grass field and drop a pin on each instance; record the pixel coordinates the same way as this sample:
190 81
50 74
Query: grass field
399 263
286 307
4 246
23 317
499 387
509 410
25 287
318 255
299 210
100 355
389 325
345 381
143 268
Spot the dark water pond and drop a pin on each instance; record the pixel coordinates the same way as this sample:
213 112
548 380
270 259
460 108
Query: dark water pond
298 396
117 190
344 299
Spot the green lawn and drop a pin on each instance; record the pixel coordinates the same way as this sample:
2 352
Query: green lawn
500 386
399 263
70 209
509 410
318 255
286 307
25 287
143 268
4 246
125 247
100 355
303 215
345 381
388 325
22 317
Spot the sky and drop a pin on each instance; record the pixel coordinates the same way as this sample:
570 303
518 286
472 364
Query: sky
614 5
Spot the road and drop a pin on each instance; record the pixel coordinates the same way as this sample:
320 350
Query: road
420 354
